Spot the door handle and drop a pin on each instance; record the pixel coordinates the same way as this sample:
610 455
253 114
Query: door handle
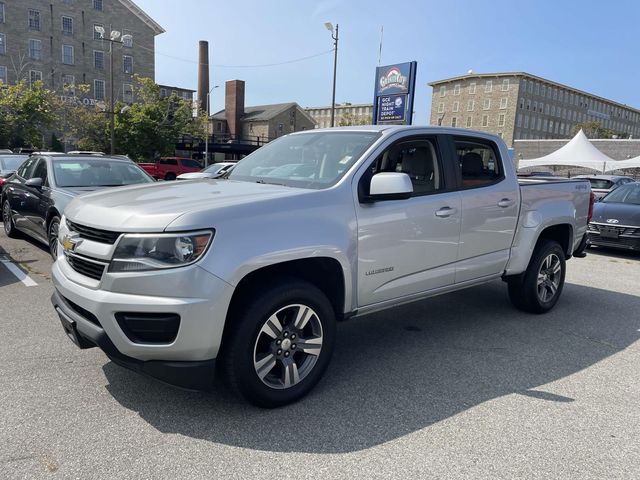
505 202
445 212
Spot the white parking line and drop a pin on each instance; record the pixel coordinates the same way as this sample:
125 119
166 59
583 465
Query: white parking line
20 275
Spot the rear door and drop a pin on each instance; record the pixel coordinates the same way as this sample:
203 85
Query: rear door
17 194
408 246
490 204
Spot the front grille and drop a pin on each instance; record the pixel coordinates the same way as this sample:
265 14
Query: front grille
621 230
86 267
94 234
86 314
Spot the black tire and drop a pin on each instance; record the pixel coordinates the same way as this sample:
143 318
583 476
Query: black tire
52 236
525 291
7 220
170 176
247 335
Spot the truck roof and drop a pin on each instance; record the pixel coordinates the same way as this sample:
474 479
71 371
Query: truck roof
389 129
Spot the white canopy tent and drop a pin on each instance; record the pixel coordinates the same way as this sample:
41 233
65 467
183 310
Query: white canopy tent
578 152
623 164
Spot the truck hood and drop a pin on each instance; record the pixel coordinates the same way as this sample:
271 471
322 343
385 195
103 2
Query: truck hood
624 213
152 207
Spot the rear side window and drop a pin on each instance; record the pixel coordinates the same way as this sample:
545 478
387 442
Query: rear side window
478 162
600 183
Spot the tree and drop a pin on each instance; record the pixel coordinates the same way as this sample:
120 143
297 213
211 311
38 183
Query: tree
348 119
593 129
26 113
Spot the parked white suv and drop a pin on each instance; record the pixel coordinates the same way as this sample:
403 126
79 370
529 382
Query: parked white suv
251 273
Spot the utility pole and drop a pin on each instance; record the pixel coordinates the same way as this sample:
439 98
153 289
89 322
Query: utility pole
112 102
334 36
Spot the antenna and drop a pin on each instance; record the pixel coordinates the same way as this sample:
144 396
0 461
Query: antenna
380 51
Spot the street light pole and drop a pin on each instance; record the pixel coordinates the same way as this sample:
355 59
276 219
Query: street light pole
112 106
329 27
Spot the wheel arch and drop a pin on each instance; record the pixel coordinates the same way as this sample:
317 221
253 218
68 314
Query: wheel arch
561 233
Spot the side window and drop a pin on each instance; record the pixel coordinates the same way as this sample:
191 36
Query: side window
417 158
163 161
26 169
41 171
172 161
478 162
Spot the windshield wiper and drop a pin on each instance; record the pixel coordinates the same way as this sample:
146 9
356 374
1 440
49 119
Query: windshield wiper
270 183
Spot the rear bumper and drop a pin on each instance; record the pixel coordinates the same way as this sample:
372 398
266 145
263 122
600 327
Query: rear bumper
192 375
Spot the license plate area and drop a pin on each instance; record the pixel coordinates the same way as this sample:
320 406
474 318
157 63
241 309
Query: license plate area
611 233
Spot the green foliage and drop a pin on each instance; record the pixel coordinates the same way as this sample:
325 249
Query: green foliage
593 129
25 113
348 119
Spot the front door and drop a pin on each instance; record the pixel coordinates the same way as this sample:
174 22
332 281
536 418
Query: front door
409 246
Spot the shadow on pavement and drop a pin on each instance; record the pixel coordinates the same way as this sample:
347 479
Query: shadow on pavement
397 372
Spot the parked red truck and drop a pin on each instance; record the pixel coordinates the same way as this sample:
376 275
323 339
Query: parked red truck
168 168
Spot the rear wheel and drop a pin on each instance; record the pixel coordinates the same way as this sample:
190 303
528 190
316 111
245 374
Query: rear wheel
7 220
170 176
538 289
52 235
281 344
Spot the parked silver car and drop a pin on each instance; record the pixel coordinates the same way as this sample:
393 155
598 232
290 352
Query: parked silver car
601 185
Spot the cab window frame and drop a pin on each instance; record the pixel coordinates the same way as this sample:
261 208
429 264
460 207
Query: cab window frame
458 166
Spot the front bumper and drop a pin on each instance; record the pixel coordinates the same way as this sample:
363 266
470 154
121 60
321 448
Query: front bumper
622 242
192 375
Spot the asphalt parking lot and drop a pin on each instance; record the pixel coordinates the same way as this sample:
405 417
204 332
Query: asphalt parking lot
459 386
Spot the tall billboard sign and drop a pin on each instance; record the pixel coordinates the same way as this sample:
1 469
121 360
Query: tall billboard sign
393 94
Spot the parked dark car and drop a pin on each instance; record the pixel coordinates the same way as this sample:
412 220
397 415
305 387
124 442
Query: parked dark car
616 219
34 198
9 163
603 184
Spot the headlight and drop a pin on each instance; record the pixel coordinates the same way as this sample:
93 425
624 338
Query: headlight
140 252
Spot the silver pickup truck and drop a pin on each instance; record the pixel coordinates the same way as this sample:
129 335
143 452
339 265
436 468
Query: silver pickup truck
249 274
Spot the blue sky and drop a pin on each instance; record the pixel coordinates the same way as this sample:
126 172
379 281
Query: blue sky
587 44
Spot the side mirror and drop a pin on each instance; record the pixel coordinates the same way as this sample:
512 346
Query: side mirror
35 182
390 186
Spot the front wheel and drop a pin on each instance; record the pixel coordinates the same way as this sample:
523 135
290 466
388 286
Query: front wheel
280 344
52 236
7 220
170 176
538 289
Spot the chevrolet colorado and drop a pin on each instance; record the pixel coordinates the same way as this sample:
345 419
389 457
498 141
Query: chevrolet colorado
249 274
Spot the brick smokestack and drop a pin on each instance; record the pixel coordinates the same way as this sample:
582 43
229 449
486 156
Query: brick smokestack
203 75
234 106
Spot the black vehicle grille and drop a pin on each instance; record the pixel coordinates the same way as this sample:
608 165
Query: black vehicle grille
94 234
85 267
597 227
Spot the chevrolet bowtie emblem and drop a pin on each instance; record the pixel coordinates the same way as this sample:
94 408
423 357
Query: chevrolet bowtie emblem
69 243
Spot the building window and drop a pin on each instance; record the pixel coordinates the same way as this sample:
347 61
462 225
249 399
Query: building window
456 106
34 19
469 122
97 5
67 26
34 76
97 35
486 104
127 93
454 122
503 103
526 121
127 64
501 120
519 120
69 85
98 60
488 87
528 104
530 86
98 89
443 91
3 44
543 91
505 85
127 39
472 88
535 106
485 120
441 107
163 92
35 49
456 89
3 74
67 54
2 13
470 105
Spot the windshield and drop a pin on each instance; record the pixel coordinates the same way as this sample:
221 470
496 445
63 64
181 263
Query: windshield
97 173
309 160
12 162
600 183
216 167
629 193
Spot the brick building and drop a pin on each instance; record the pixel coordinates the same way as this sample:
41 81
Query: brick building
522 106
345 113
56 42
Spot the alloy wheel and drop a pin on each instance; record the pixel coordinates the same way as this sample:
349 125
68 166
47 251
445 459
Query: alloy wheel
287 346
6 217
549 277
53 238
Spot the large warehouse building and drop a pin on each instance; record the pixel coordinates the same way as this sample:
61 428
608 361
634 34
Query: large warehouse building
517 105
